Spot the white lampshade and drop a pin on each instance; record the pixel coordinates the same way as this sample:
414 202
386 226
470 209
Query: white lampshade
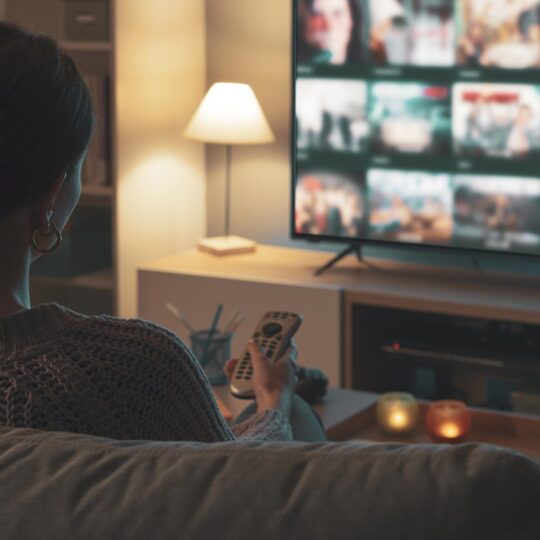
230 114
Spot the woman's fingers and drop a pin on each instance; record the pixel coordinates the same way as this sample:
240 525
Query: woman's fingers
257 356
229 367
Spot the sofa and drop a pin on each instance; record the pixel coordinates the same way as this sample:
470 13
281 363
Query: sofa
67 486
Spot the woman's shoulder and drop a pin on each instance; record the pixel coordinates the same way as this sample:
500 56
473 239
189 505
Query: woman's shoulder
129 330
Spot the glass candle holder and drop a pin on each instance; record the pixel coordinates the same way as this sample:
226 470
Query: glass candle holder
397 412
448 421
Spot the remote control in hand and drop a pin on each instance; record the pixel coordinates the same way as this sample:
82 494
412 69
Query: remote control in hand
273 334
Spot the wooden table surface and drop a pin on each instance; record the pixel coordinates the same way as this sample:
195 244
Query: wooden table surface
350 414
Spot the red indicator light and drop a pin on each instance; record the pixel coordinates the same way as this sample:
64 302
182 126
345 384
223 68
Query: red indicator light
396 346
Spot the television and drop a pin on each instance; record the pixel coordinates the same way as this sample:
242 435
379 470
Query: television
417 122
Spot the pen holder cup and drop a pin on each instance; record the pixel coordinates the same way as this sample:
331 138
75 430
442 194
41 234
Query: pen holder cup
212 355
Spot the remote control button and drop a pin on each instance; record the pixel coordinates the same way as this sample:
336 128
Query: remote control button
271 329
270 353
256 335
278 338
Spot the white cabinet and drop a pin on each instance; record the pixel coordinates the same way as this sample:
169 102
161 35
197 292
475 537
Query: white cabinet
271 279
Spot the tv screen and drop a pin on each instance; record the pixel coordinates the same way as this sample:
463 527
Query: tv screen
418 122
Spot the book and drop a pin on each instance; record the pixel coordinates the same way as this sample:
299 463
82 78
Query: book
97 168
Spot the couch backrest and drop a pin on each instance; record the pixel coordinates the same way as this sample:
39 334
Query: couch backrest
65 486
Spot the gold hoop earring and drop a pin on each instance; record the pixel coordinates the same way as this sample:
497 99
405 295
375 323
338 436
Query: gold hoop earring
51 231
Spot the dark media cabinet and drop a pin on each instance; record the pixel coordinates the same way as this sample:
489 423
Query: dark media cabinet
467 335
484 362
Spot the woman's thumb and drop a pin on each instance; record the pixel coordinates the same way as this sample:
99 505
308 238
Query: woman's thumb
255 351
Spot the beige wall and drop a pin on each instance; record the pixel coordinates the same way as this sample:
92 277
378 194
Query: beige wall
248 41
160 79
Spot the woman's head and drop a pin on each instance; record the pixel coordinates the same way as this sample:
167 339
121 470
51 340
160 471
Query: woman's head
331 28
46 124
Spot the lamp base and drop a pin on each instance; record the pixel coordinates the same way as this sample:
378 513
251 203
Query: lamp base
227 245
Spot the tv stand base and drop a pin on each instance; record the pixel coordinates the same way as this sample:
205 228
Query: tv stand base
352 249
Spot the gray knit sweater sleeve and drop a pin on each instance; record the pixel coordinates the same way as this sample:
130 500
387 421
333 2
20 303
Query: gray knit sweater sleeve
268 425
124 379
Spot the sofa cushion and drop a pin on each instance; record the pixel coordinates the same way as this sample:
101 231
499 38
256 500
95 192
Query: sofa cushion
59 485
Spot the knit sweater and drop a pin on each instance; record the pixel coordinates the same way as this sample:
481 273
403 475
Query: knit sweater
117 378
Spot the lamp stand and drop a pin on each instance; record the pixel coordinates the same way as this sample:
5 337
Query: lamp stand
227 245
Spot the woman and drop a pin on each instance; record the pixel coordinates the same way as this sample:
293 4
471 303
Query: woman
329 32
60 370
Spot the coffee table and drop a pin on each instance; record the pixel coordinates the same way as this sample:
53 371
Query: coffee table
350 414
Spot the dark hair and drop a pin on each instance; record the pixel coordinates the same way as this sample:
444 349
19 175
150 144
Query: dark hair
46 118
355 54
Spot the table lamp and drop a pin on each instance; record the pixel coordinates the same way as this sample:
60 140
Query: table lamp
229 114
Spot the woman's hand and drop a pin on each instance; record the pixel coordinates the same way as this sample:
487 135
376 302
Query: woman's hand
273 382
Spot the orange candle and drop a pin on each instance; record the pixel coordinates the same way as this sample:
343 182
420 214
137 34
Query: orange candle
448 421
397 412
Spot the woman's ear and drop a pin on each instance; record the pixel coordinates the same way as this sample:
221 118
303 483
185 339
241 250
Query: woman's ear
44 207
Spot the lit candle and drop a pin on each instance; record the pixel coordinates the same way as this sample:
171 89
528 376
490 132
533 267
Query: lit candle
397 412
448 421
449 430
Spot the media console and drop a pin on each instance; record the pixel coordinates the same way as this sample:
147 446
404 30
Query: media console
388 326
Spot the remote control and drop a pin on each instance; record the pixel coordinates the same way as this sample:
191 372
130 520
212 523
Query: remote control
273 334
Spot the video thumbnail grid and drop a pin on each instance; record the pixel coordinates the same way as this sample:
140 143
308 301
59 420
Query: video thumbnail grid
496 213
500 34
462 121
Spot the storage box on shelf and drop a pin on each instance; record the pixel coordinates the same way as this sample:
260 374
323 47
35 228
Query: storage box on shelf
87 20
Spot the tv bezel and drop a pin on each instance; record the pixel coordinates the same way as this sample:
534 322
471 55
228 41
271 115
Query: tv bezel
320 238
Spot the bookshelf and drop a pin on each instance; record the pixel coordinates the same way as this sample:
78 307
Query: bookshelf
93 291
155 201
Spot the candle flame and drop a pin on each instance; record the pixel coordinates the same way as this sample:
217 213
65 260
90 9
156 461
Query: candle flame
397 419
449 430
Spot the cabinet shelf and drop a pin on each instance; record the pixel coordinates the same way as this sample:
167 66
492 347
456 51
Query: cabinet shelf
97 196
90 190
101 280
87 46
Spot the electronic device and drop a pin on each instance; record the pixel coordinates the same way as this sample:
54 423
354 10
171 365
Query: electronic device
417 123
273 333
436 356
